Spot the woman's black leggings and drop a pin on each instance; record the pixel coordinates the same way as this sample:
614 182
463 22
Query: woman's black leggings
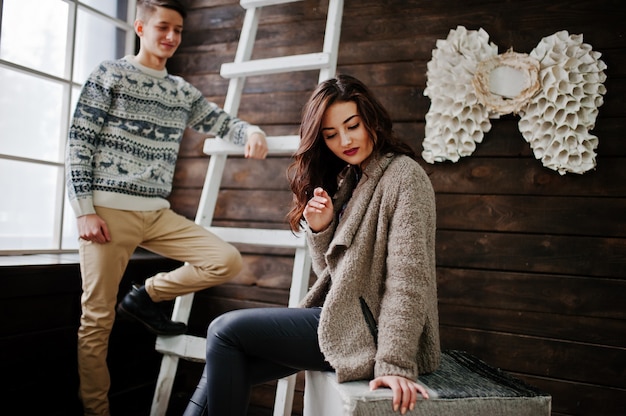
251 346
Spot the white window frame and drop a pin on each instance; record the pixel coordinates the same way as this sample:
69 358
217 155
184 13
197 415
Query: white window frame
70 86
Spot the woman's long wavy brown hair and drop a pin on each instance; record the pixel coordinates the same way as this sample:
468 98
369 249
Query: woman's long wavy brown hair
314 164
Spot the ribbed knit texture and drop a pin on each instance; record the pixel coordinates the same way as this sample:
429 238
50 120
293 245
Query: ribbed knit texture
463 385
125 135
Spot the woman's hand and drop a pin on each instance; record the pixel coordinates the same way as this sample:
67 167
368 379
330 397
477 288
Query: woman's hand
404 391
318 212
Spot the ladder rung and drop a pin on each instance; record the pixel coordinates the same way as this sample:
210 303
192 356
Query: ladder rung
184 346
277 145
248 4
277 65
260 237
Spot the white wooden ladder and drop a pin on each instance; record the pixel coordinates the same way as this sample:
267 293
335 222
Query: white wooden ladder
193 348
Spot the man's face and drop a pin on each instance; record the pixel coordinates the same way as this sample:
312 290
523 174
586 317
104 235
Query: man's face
161 34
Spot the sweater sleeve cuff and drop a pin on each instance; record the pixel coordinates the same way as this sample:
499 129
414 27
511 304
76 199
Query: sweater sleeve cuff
320 238
387 369
253 129
82 207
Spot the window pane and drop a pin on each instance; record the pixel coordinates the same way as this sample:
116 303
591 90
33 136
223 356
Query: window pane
70 230
73 102
96 40
35 106
27 206
31 116
34 34
117 9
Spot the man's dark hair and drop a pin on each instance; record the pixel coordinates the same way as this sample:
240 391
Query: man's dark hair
147 7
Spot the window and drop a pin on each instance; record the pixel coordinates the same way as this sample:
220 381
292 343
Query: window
47 50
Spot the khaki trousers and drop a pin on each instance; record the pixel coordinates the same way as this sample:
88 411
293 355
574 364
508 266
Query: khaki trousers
209 262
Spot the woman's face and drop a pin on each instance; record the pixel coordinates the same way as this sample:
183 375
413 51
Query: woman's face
344 133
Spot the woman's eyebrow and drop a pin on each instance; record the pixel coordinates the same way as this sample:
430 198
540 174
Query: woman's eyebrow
344 122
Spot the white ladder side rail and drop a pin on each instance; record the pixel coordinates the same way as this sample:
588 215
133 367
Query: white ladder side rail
285 388
210 190
331 38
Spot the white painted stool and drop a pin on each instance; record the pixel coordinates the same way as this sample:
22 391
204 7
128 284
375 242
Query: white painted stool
461 386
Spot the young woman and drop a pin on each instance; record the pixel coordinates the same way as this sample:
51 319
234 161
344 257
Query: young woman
368 211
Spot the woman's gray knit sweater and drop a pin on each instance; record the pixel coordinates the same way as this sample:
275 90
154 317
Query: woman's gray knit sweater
383 250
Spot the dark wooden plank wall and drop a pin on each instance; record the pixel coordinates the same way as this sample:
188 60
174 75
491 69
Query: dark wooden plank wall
531 264
39 317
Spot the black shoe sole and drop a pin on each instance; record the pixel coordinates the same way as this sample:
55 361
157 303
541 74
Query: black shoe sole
126 314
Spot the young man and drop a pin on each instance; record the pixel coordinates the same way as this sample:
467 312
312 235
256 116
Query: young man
122 150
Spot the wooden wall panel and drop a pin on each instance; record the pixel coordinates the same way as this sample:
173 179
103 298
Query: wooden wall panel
40 305
531 264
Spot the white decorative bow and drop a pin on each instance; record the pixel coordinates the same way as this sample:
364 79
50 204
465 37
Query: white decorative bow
556 89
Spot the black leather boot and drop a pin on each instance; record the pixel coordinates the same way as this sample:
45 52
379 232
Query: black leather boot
137 305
